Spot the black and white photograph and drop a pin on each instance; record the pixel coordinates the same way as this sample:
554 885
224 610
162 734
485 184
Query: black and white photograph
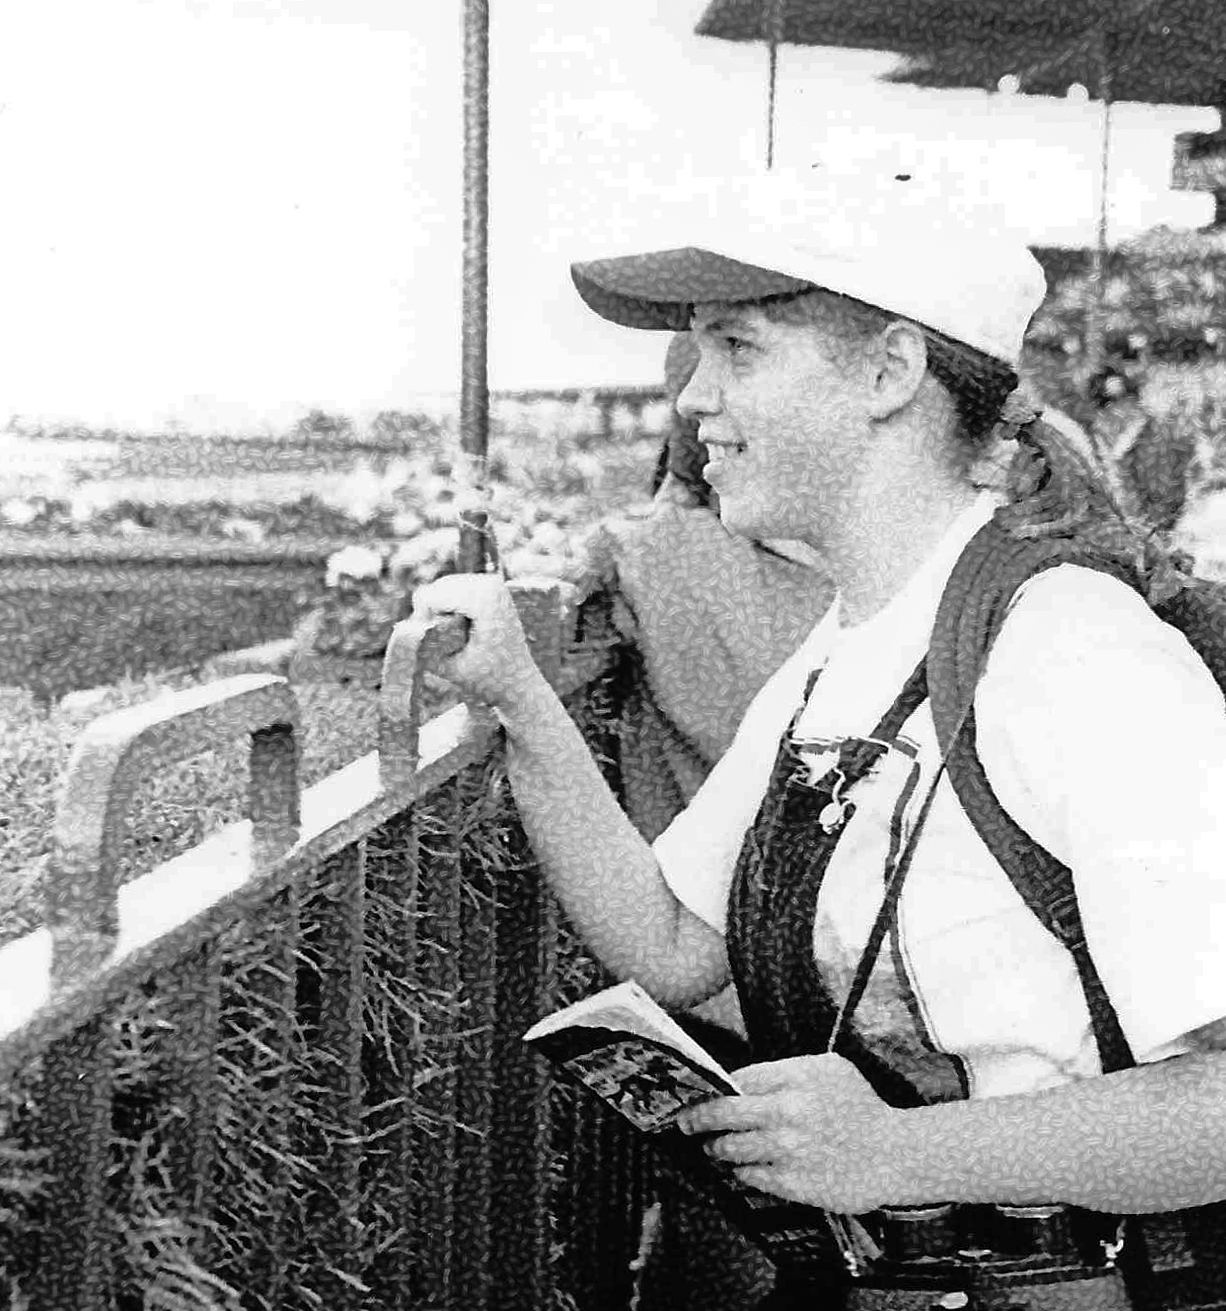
516 509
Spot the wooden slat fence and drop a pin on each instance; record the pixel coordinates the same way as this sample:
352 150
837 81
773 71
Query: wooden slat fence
402 1148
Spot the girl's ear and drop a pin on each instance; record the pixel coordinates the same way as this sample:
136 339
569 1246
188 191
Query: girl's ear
898 364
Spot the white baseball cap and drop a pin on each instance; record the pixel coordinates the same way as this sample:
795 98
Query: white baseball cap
948 261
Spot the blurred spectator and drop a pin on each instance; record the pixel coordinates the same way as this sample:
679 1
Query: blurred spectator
679 468
1151 458
1124 421
1155 468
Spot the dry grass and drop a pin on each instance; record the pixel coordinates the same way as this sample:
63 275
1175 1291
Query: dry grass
163 1257
169 813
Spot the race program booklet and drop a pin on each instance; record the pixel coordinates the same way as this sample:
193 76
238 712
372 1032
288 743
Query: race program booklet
625 1048
629 1051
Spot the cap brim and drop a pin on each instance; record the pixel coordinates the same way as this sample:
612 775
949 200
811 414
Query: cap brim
660 289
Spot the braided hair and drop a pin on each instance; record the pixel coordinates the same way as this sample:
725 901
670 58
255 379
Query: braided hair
1054 485
1051 484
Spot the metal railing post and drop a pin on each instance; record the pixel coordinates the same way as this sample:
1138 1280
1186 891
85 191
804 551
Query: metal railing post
81 897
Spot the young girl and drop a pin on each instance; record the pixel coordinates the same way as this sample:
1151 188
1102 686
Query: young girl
926 1044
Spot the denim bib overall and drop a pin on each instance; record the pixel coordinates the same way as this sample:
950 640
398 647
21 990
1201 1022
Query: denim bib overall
934 1258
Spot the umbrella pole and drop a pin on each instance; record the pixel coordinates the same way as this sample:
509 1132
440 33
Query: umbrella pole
1097 312
474 387
772 30
772 79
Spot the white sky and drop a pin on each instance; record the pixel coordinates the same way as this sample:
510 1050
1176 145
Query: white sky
222 214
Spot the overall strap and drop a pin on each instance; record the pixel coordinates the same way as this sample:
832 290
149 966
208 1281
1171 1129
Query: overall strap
972 610
889 905
786 1004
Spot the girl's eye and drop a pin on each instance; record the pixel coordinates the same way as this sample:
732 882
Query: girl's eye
736 345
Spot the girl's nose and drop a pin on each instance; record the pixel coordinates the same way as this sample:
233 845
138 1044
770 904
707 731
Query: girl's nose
699 396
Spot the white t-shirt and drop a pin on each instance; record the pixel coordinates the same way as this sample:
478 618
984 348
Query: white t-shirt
1103 735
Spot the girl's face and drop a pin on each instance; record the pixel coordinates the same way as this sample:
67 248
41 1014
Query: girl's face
784 423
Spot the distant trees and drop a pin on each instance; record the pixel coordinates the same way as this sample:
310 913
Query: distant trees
386 426
319 423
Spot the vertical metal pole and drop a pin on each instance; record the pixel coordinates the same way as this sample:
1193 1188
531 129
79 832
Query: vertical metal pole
474 389
437 976
72 1270
339 924
525 954
1096 318
772 25
773 77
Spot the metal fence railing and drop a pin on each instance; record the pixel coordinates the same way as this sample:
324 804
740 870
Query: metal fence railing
418 1157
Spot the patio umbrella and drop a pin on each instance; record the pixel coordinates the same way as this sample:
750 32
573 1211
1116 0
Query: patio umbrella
1170 52
1153 51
